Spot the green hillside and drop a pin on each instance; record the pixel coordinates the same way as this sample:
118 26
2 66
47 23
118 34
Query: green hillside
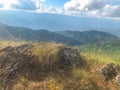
110 50
88 36
25 34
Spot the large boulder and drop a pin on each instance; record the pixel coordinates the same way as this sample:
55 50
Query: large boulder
70 56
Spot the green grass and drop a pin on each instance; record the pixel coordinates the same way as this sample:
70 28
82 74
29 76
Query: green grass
102 52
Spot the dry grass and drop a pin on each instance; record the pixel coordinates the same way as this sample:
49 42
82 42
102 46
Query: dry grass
95 59
48 84
82 79
47 53
11 43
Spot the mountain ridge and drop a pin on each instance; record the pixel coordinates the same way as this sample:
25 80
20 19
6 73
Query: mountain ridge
20 33
86 37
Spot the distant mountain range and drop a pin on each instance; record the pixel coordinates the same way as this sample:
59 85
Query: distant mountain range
65 37
88 36
55 22
19 33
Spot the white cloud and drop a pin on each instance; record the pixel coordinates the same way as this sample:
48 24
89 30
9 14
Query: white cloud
50 10
93 8
99 8
25 5
112 11
21 4
38 3
81 5
107 11
7 3
34 5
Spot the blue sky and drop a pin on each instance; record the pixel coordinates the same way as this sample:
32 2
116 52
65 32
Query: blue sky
114 2
94 8
55 3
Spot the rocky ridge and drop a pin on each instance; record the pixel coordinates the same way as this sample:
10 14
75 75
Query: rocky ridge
19 61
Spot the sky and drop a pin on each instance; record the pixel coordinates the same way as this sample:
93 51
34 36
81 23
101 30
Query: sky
55 3
94 8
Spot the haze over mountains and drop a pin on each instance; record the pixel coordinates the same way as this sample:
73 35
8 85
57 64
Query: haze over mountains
55 22
65 37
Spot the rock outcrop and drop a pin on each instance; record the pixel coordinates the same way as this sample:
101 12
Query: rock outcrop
19 60
13 61
70 55
109 71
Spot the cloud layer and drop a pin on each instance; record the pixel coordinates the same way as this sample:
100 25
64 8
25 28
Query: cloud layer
21 4
81 5
24 4
101 8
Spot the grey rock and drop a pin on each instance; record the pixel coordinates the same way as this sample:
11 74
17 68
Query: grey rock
24 48
19 60
13 60
109 71
70 55
117 80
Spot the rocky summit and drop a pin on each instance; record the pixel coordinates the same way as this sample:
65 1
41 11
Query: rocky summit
20 61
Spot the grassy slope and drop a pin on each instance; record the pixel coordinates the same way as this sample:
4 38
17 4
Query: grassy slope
105 52
83 78
96 55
